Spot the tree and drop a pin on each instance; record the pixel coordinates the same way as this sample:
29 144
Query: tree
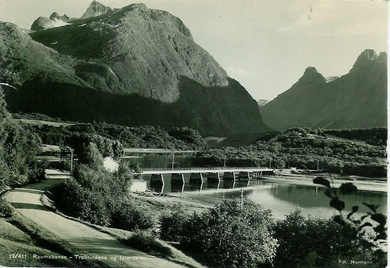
369 227
231 234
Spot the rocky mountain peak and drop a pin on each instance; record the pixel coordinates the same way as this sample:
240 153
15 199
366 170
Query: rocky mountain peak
153 45
55 20
133 66
311 75
367 58
310 70
56 16
354 100
96 9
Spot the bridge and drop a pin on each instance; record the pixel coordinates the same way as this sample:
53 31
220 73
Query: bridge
203 174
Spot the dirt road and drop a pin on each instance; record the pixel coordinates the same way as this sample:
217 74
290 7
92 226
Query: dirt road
88 242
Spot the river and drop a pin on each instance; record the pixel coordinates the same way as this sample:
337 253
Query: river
281 197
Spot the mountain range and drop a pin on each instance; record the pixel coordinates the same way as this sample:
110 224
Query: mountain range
357 99
132 66
142 66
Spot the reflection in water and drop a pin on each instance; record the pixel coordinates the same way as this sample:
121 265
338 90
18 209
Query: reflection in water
280 198
194 182
311 197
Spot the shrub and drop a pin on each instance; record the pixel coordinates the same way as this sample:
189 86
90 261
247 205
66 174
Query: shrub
18 147
229 235
145 242
37 171
316 242
95 195
172 224
5 209
129 217
68 197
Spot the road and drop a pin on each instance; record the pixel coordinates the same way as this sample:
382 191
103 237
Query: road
87 240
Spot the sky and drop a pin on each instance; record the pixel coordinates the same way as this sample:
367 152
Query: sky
264 44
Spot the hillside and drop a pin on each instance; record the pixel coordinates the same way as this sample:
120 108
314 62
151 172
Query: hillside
307 149
132 66
354 100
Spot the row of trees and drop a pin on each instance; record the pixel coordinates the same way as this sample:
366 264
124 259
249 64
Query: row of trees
242 234
18 147
303 149
181 138
99 196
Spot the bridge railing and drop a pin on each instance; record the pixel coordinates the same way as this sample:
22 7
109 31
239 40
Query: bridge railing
204 169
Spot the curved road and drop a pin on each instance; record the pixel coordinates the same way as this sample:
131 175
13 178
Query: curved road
86 240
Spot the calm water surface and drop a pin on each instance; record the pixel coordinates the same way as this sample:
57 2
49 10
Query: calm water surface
280 198
283 199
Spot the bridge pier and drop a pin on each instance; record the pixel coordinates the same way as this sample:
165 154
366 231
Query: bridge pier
184 182
249 179
234 179
186 179
203 178
219 179
163 184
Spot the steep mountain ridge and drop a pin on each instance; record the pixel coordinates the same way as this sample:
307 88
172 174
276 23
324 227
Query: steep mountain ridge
55 20
131 66
96 9
23 59
154 46
354 100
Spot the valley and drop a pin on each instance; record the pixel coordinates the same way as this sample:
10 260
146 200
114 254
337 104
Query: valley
124 143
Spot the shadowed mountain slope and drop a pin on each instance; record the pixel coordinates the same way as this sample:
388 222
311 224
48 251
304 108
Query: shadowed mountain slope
133 65
355 100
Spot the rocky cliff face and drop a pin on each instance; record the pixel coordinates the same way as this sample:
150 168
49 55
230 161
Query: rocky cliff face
55 20
96 9
133 65
22 59
355 100
136 50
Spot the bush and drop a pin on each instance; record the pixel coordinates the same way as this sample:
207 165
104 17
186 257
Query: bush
145 242
18 147
228 235
172 224
128 217
6 209
95 195
310 242
37 171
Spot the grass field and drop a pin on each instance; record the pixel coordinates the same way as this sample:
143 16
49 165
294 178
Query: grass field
18 249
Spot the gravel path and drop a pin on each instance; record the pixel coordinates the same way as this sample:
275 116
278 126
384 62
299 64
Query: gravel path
89 242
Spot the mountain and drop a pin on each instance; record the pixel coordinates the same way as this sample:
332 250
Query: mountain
131 66
96 9
55 20
354 100
153 46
